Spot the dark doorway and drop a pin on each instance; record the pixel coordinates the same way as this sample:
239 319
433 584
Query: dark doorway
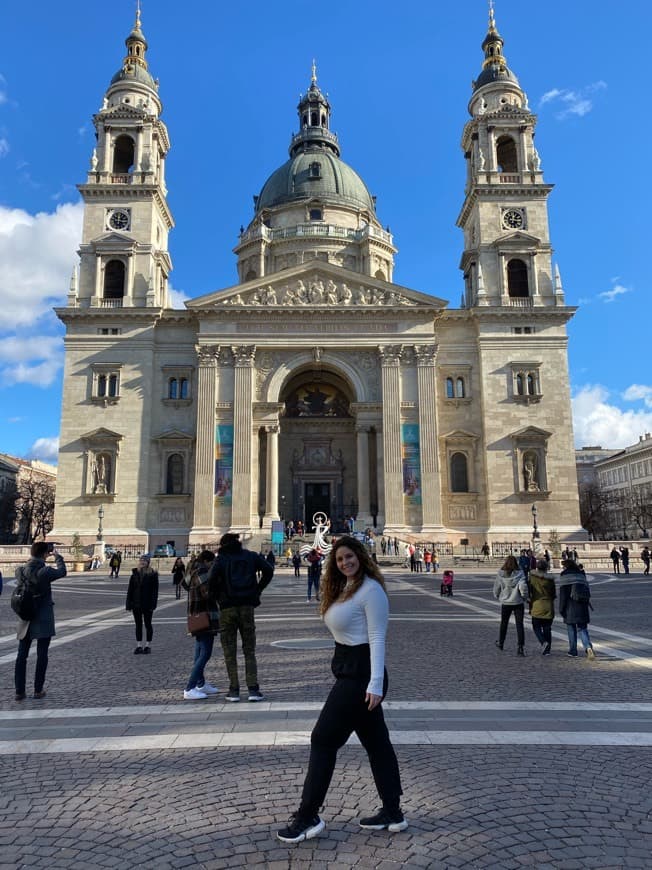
318 499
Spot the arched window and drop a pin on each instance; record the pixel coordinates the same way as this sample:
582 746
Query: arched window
173 388
113 386
250 275
517 286
114 280
519 385
380 274
123 155
450 388
459 475
506 154
459 388
101 385
314 119
174 477
531 385
183 388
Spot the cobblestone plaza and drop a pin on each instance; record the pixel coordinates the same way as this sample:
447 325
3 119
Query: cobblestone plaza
506 762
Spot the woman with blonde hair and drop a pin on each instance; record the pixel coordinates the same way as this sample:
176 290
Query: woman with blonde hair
510 588
355 608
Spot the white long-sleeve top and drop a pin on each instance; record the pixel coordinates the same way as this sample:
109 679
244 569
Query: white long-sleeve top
362 618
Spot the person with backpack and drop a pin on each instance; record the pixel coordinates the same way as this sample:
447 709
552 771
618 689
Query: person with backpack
233 582
575 607
34 586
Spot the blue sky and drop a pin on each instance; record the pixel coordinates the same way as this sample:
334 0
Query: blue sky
398 77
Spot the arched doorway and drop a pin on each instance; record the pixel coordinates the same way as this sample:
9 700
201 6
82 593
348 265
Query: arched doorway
317 447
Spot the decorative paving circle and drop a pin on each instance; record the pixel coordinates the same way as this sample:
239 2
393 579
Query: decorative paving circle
304 643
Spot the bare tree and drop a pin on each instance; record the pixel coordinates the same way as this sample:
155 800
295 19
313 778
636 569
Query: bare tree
8 514
637 505
35 507
595 508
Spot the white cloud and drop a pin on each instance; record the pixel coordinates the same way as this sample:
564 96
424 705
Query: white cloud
4 146
30 359
37 253
597 421
3 90
177 297
616 291
638 392
45 449
578 103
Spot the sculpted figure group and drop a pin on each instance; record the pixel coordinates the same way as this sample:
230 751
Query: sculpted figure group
318 293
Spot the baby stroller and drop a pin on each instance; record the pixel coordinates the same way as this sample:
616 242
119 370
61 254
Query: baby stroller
447 583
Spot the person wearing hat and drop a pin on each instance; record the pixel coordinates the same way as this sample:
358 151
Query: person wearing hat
142 597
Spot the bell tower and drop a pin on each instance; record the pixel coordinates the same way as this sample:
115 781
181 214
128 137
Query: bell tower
507 252
124 259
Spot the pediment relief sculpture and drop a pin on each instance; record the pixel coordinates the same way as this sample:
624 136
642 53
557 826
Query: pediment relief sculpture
318 292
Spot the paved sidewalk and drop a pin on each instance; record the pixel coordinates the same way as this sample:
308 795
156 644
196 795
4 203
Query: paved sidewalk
506 762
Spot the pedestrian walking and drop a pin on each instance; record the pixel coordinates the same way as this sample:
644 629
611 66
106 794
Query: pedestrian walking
203 625
296 562
314 560
178 573
542 604
355 609
233 582
624 558
114 563
510 588
38 577
142 598
645 558
486 552
575 606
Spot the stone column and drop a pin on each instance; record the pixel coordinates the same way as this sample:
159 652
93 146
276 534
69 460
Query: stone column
381 481
243 356
204 485
390 360
362 435
428 447
271 494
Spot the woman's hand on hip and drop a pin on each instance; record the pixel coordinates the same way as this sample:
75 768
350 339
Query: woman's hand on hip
372 700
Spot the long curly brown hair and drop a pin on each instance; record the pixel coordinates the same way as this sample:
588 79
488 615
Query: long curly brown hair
333 581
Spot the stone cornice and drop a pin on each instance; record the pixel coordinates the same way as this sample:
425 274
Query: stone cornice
503 191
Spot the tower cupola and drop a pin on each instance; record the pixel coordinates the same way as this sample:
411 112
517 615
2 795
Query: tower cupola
314 121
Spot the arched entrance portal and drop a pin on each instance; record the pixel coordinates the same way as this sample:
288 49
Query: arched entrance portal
317 448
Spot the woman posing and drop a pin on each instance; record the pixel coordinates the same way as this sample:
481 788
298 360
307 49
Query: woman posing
510 588
355 609
542 604
574 606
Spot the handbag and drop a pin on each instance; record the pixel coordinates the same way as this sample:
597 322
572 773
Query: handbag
199 622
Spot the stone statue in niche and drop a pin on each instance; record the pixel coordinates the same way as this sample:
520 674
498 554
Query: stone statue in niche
530 472
101 471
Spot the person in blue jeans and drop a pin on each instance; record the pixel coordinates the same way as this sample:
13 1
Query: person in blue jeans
575 607
200 601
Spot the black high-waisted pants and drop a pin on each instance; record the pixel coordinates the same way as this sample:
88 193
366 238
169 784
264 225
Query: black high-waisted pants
345 712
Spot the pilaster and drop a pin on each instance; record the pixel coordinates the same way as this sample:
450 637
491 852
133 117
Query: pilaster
430 474
243 356
204 486
390 361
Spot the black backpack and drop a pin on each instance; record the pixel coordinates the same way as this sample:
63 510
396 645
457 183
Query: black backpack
240 579
581 592
25 599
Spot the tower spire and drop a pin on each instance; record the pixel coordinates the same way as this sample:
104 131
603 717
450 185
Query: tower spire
313 78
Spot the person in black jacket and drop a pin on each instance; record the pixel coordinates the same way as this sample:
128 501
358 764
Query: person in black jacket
41 627
574 606
233 581
142 598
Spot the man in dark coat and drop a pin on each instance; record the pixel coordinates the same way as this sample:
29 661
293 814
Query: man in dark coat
233 581
40 628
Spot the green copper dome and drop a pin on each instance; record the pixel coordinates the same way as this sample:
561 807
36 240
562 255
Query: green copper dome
316 172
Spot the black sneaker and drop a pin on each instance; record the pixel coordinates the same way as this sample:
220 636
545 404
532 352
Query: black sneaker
256 695
138 651
233 695
300 828
147 651
393 820
546 650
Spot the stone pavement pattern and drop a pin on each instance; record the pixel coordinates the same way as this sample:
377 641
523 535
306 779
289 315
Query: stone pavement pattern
477 793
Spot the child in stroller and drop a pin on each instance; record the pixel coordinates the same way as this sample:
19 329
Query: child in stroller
447 583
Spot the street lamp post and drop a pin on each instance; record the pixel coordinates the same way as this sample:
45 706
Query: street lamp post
100 517
535 528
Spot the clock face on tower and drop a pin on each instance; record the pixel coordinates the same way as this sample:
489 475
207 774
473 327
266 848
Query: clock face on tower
513 219
119 219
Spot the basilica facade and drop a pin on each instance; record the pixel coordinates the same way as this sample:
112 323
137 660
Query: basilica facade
315 383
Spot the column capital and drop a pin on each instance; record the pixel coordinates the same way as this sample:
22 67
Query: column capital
426 354
273 428
360 429
207 354
243 355
390 354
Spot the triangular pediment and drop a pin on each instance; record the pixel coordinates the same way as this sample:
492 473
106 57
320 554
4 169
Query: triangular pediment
313 285
531 433
101 434
518 238
173 435
458 435
113 240
123 111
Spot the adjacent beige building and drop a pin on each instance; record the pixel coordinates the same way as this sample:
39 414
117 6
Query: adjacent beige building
315 382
